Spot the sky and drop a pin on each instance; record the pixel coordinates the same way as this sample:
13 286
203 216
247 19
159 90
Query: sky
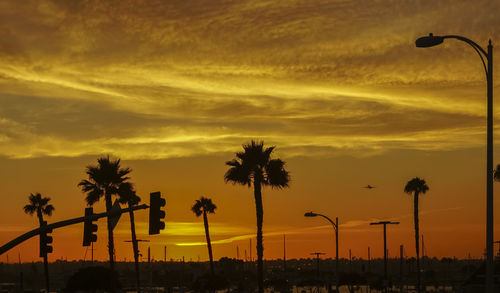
174 88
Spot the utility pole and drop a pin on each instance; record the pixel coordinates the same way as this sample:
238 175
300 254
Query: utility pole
150 270
385 223
317 261
423 262
401 268
284 253
21 277
369 259
251 260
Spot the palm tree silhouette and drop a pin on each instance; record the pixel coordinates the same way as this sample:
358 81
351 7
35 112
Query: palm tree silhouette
104 179
204 206
416 186
127 195
255 166
40 205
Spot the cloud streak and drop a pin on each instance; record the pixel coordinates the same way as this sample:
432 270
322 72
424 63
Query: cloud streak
175 79
349 226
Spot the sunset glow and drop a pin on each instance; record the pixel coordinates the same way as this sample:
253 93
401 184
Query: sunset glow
174 88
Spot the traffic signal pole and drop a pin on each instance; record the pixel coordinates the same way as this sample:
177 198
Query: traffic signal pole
48 228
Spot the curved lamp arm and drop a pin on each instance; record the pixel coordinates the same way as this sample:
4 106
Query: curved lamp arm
330 220
474 45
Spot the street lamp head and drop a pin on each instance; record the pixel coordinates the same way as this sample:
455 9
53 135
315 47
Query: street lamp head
429 41
310 214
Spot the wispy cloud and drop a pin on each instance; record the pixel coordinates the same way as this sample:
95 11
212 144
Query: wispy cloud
349 225
133 80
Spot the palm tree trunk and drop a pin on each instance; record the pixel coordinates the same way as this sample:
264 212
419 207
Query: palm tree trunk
45 259
209 244
135 248
111 244
417 237
260 248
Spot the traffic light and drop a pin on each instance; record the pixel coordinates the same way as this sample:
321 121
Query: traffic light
155 213
89 228
45 240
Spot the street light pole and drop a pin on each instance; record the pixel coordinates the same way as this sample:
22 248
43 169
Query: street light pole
385 223
336 228
430 41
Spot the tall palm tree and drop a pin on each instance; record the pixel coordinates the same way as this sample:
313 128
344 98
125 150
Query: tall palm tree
104 179
127 195
254 166
204 206
40 205
416 186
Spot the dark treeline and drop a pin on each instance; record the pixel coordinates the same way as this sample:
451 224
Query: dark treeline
239 275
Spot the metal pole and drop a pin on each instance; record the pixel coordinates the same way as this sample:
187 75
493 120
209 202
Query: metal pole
384 223
401 268
489 176
284 253
317 265
337 253
369 259
385 251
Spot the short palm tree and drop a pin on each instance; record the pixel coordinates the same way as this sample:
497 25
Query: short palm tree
254 166
104 179
204 206
127 195
416 186
40 205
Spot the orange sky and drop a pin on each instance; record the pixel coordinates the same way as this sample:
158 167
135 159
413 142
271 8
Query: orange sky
174 88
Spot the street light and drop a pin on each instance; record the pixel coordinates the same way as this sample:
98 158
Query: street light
385 223
430 41
336 228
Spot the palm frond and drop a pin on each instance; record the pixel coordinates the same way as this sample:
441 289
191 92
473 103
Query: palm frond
29 209
276 175
233 163
87 186
208 205
197 208
238 175
47 210
44 201
267 153
127 194
94 196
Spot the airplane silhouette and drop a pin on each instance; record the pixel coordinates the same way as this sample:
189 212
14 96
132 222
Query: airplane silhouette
369 186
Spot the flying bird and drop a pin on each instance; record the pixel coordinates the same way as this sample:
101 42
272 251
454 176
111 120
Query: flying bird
369 186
